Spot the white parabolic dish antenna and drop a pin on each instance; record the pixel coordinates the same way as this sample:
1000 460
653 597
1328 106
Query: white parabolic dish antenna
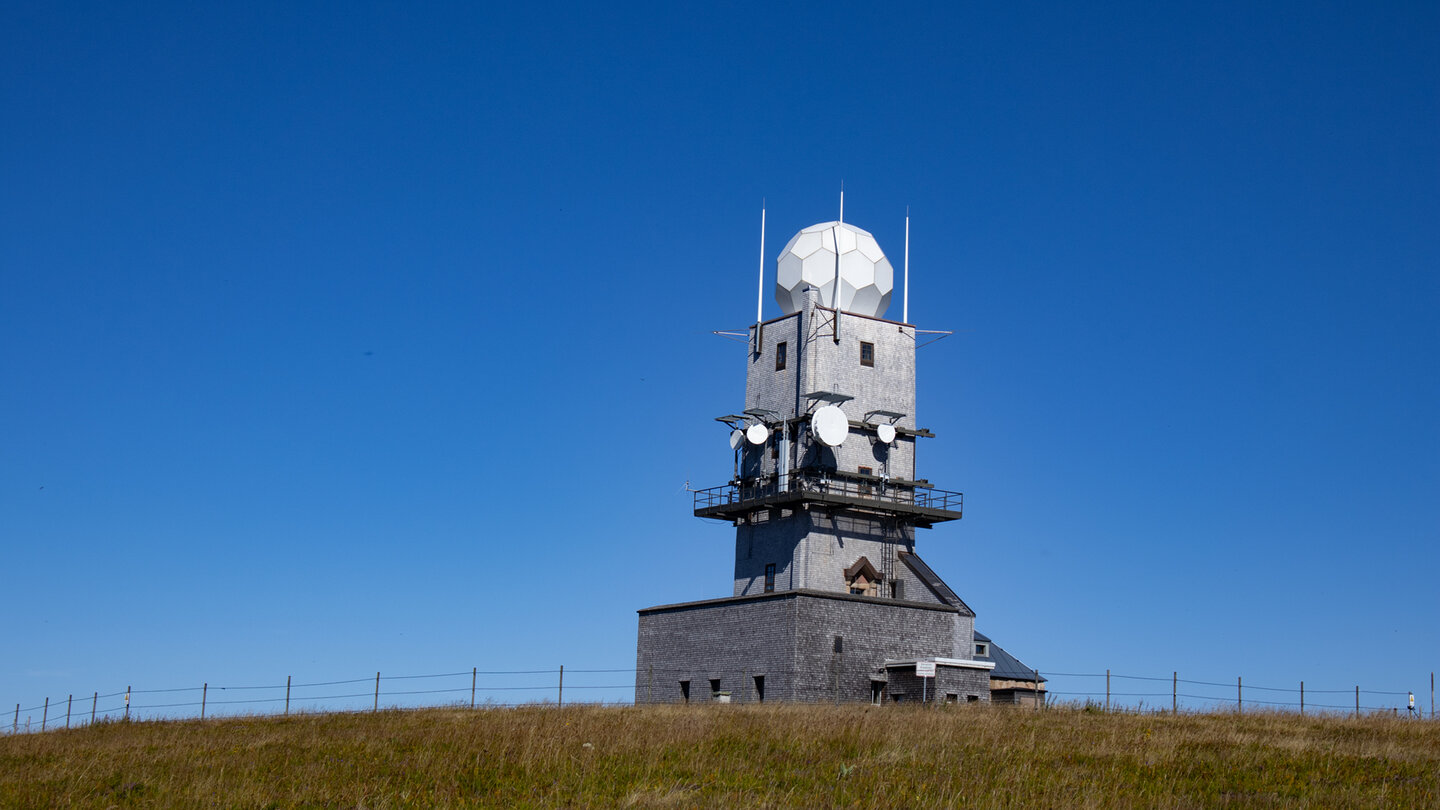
885 433
737 437
757 434
830 426
865 276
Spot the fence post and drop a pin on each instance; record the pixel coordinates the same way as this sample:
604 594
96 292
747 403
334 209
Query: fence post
1302 698
68 701
1357 700
46 715
15 729
560 695
1037 688
377 693
127 702
1175 692
1432 696
1239 697
204 692
473 672
94 701
1107 690
287 695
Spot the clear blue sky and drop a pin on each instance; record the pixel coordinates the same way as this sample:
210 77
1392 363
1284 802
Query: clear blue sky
338 338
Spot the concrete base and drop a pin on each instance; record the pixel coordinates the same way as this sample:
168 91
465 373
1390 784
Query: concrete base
800 645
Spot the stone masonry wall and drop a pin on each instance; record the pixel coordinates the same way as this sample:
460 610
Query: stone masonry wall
789 638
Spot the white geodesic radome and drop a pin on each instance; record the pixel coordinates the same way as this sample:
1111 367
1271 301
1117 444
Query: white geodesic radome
809 260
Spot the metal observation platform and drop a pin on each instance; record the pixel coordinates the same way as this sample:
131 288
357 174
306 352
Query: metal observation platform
924 504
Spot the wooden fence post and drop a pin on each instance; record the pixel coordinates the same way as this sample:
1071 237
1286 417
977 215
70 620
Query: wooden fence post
377 693
1107 690
1357 700
1239 696
127 702
1302 698
16 728
68 701
1175 692
94 701
204 693
473 672
46 715
560 695
287 695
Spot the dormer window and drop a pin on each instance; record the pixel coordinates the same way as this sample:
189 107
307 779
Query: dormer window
982 649
861 579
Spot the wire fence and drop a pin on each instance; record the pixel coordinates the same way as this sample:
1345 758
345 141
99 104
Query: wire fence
477 688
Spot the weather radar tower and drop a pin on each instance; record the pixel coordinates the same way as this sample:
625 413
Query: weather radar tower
830 600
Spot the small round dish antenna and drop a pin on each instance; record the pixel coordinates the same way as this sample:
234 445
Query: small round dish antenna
885 433
737 437
830 426
757 434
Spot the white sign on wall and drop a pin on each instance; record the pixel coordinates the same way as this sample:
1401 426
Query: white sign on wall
925 669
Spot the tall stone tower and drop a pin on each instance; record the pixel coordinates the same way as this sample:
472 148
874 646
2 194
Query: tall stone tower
830 600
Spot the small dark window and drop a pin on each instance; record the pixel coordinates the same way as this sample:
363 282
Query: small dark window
867 353
839 644
897 589
685 691
780 355
865 485
982 648
770 578
715 687
759 688
972 698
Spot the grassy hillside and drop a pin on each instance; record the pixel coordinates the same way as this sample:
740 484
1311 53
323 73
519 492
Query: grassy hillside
730 756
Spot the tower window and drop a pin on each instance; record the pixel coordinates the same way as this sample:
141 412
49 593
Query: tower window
780 355
867 353
770 578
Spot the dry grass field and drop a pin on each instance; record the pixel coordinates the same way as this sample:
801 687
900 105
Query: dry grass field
730 756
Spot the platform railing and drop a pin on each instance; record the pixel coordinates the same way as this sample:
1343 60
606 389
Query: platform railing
832 483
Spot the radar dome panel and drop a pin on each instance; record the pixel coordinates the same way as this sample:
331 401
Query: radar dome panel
810 260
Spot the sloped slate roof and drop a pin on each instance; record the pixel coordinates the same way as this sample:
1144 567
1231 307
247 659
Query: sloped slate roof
933 581
1007 666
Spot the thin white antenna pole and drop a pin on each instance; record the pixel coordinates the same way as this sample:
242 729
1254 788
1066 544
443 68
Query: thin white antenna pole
905 315
835 232
760 293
